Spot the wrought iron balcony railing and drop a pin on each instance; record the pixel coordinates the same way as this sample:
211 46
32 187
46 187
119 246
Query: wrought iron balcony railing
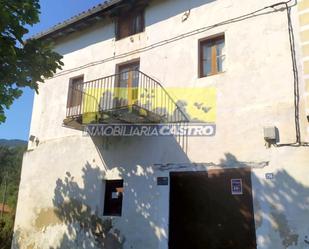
127 97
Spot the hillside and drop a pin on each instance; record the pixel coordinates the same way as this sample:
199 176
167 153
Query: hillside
11 154
12 142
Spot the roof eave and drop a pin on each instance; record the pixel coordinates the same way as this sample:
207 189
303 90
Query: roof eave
77 22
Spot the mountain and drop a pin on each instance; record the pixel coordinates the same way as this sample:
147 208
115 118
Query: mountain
12 142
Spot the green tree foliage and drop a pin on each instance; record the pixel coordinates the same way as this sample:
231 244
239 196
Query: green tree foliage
10 169
23 64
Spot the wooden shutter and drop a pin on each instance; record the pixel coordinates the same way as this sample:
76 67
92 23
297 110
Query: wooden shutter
75 95
124 27
130 23
212 43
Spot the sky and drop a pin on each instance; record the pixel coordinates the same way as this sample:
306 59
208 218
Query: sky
18 119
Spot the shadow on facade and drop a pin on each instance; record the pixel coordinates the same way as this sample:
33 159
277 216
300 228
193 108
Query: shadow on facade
80 205
75 205
280 204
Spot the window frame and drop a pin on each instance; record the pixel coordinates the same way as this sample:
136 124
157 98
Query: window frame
132 17
70 94
211 40
108 205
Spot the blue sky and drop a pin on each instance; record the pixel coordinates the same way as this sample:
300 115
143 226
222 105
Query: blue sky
52 12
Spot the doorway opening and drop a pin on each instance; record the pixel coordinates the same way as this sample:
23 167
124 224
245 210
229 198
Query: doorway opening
212 210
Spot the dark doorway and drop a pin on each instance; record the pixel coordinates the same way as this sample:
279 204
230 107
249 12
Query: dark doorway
211 210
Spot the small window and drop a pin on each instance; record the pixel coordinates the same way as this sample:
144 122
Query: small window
113 197
212 56
130 24
74 100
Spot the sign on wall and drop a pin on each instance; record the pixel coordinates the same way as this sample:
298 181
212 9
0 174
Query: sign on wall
269 176
236 186
162 181
130 130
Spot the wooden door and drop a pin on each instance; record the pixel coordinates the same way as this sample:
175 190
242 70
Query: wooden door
205 212
127 87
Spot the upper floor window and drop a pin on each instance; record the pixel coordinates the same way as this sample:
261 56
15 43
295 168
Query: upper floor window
211 56
74 101
130 24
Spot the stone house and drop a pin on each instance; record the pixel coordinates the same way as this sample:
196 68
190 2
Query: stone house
173 124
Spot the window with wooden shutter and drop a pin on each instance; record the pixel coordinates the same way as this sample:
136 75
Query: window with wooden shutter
211 56
130 24
74 101
113 197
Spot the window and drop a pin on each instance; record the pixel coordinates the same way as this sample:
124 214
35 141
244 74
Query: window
75 95
127 85
130 24
113 197
212 56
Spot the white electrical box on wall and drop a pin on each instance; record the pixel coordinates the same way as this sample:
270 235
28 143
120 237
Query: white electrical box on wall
270 133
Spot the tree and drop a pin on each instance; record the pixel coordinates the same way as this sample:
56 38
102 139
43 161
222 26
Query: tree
10 169
23 63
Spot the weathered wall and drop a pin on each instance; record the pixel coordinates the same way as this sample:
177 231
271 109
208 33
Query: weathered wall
61 193
303 10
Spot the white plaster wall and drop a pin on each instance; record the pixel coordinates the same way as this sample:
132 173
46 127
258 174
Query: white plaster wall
256 90
280 204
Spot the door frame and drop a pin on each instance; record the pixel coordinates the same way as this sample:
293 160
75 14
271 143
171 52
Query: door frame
129 63
246 170
71 96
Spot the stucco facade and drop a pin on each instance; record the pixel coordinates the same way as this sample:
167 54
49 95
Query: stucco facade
61 196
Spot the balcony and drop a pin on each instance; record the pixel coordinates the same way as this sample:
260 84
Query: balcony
129 97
